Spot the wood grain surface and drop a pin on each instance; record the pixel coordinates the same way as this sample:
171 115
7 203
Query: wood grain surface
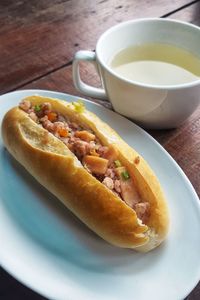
38 41
38 37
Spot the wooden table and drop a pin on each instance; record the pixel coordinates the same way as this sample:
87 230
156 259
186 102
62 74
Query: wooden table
38 41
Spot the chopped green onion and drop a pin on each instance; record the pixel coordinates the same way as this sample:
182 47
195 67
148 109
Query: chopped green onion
117 163
125 175
37 108
78 106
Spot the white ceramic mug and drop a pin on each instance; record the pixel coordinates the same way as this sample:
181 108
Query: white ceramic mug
152 106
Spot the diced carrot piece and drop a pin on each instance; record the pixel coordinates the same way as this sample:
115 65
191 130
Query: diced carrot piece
85 135
111 154
96 165
52 116
63 132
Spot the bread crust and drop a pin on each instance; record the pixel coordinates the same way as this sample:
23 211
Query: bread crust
55 167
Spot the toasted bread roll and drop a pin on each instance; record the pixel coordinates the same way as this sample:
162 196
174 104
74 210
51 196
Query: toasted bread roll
87 166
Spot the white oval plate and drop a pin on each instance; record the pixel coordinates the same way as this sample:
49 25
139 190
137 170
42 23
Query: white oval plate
44 246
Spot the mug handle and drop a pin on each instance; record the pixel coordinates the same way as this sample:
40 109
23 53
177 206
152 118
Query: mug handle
86 89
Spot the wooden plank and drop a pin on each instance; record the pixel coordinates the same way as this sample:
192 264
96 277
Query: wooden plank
183 144
40 36
191 14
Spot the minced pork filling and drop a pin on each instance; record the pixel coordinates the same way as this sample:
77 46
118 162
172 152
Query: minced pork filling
99 160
